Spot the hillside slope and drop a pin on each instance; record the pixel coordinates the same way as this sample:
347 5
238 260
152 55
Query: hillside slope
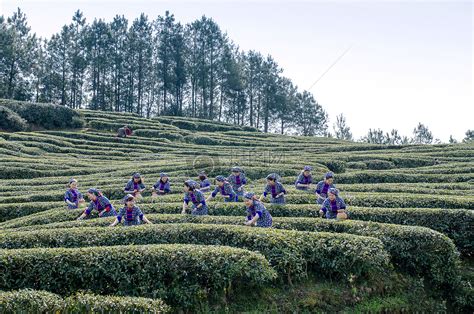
411 209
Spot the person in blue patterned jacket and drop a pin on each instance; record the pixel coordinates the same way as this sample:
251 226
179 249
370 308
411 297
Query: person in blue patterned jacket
135 186
205 184
257 214
224 188
73 197
304 179
333 206
162 186
196 197
99 203
323 187
275 189
130 213
238 181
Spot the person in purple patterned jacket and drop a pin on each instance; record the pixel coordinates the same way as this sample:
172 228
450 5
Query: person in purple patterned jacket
196 197
162 186
99 203
275 189
238 181
323 187
333 205
224 188
130 213
135 186
257 214
304 179
73 197
205 184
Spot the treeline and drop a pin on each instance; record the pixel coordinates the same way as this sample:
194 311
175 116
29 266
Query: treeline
421 135
153 67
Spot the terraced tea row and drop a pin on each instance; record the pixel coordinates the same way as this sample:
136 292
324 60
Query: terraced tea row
410 208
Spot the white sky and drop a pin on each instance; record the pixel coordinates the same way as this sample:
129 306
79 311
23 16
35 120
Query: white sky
408 62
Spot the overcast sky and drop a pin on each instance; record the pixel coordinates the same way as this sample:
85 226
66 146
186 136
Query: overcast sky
391 64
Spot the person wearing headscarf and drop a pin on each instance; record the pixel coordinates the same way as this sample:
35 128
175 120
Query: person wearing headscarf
73 197
100 203
162 186
257 214
275 189
124 131
196 197
135 186
304 179
333 205
323 187
224 188
130 213
238 181
204 184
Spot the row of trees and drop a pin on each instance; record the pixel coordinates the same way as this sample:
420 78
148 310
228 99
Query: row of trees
161 67
421 135
153 67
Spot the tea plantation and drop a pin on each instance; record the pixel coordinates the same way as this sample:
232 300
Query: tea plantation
407 246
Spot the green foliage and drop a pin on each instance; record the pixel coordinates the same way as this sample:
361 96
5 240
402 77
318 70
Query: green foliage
37 301
46 116
404 185
356 165
292 253
180 274
389 177
187 125
422 135
86 302
11 211
335 166
193 124
455 223
30 301
416 250
393 200
341 130
158 134
469 136
379 164
18 51
11 121
201 140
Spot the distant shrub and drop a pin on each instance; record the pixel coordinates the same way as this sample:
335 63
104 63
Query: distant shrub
356 165
201 140
47 116
204 125
185 125
377 164
410 162
11 121
249 128
336 166
158 134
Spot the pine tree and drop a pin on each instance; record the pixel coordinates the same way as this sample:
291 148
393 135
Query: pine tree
422 135
469 136
19 49
341 130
